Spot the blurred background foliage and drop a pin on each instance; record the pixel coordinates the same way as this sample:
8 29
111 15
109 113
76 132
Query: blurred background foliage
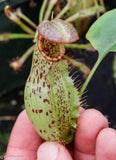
101 90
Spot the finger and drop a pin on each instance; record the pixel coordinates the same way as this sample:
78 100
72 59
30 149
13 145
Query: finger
106 145
81 110
24 140
89 124
53 151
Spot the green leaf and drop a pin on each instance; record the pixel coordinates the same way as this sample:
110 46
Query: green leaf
102 33
102 36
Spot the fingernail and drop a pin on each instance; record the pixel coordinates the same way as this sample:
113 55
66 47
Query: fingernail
47 150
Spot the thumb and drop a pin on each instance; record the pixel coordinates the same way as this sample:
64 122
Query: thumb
52 151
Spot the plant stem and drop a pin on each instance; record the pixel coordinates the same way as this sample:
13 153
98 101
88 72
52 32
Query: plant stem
7 118
21 15
90 75
63 11
81 66
8 36
49 9
80 46
102 3
85 13
26 54
84 4
25 28
42 10
114 68
18 63
96 2
16 19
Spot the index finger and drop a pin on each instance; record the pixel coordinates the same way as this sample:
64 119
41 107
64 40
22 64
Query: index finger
90 123
24 140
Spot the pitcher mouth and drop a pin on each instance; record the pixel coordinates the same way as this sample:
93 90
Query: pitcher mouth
51 51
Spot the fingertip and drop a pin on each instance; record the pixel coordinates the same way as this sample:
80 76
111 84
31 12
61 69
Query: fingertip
47 150
22 115
89 124
52 151
106 144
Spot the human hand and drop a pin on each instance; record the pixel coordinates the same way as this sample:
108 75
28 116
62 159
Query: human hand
93 141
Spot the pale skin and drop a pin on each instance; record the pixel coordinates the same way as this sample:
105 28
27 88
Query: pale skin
94 140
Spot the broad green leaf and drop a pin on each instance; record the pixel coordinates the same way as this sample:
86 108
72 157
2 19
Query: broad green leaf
102 36
102 33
